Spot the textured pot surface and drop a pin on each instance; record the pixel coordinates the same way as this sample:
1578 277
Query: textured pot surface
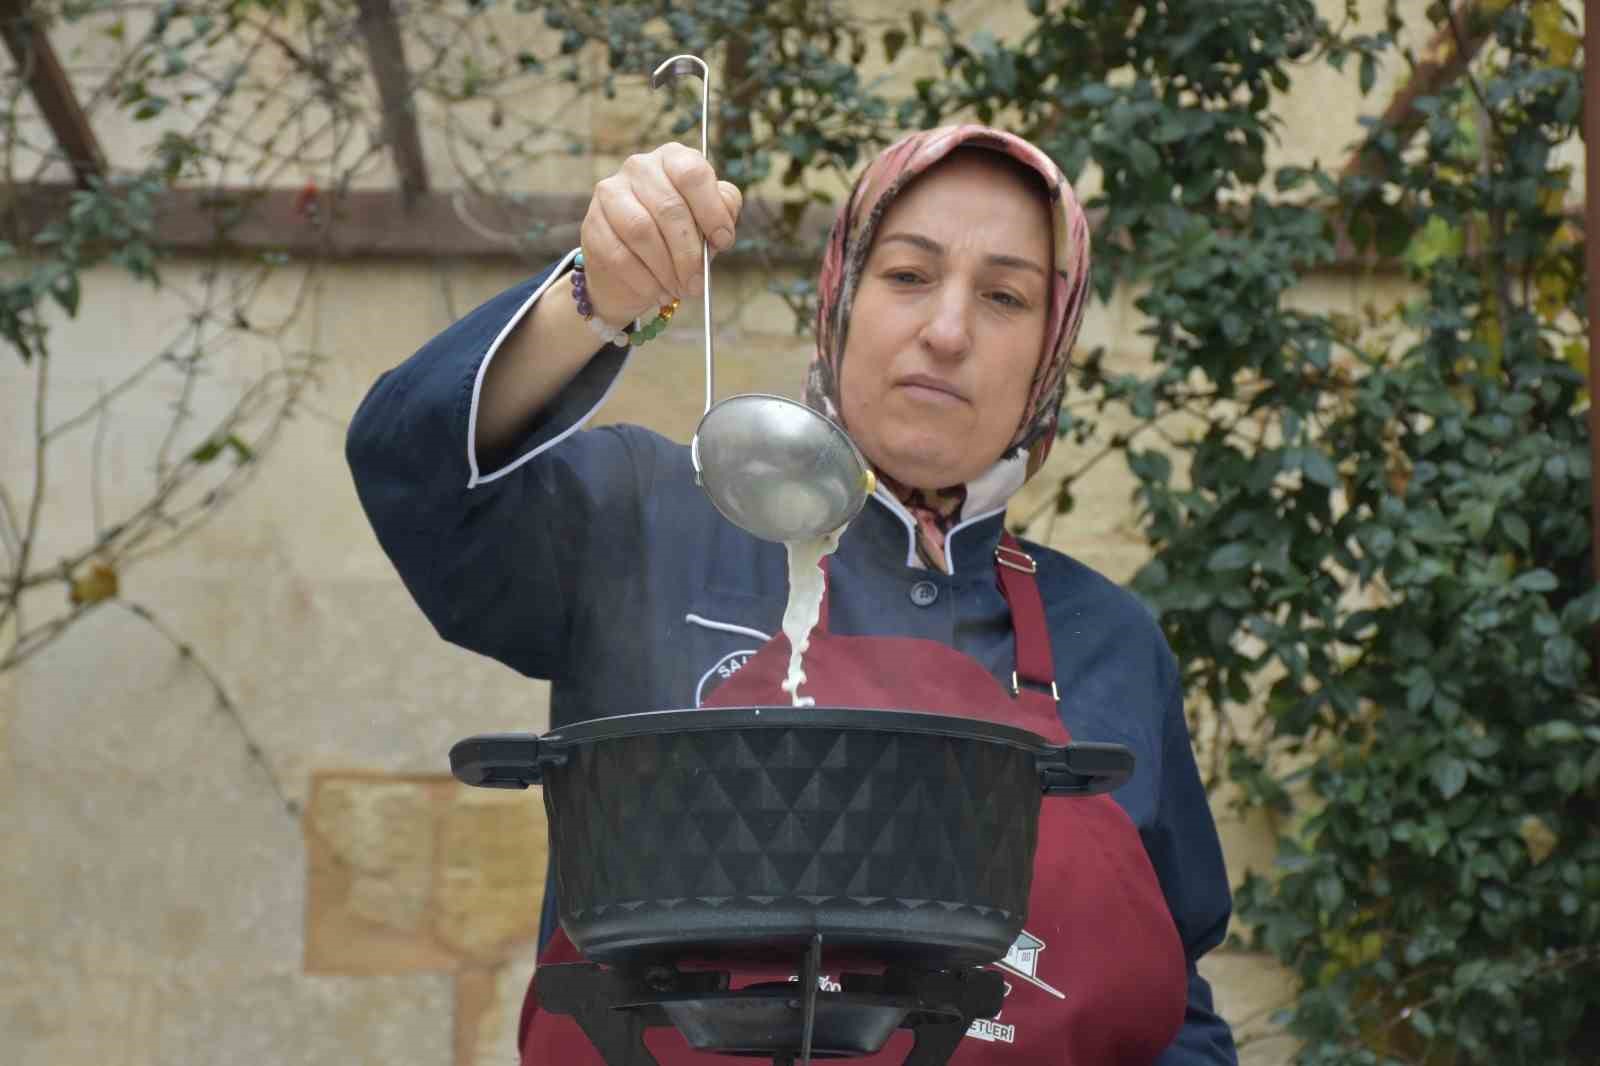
749 837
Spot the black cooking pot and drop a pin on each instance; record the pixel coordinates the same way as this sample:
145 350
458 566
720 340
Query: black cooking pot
747 830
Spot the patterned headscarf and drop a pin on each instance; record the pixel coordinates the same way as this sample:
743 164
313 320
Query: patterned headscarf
936 512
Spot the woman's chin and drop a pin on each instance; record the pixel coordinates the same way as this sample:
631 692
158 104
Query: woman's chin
928 469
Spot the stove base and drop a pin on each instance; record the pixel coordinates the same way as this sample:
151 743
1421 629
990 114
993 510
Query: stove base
786 1022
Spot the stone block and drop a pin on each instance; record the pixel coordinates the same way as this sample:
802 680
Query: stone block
1274 1049
1249 988
420 874
154 840
370 874
310 1021
110 1020
490 878
495 1034
381 833
489 1007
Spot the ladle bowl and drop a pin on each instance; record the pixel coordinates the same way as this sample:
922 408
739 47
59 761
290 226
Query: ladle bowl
776 468
779 469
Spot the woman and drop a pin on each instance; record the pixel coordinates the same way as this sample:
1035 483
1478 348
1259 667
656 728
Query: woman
949 298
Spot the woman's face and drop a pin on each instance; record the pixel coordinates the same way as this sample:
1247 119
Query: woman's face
948 324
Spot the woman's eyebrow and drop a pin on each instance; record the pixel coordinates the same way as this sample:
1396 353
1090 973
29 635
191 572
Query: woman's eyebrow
933 247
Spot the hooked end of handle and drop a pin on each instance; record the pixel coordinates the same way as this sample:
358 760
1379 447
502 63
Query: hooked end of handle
671 69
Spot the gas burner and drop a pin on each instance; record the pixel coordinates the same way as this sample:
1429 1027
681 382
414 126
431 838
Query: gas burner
787 1022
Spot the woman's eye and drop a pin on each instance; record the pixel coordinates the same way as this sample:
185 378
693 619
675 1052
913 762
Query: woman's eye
1007 299
904 277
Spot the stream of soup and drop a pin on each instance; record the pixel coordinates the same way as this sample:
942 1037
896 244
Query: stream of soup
805 605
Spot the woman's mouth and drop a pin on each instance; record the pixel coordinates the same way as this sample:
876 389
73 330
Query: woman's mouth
930 389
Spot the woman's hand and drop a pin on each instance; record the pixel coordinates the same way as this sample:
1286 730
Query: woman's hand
643 231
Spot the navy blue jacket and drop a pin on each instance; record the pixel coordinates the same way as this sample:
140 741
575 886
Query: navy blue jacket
591 559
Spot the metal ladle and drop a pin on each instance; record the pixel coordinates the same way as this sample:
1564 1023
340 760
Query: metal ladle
774 467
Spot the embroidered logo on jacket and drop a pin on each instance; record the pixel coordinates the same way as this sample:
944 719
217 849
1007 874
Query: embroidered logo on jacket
720 671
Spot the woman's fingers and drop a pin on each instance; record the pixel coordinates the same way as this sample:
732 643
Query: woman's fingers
673 220
734 200
647 225
697 185
630 216
621 286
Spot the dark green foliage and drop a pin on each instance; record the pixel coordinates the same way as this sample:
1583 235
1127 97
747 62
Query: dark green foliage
1382 524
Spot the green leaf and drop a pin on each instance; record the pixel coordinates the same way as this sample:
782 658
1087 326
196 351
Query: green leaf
1536 581
1330 892
1421 691
1235 556
242 451
1436 240
1433 836
1144 159
66 293
1319 468
1554 733
1449 775
1478 515
1515 529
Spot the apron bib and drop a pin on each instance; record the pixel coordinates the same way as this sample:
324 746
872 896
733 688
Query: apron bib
1097 977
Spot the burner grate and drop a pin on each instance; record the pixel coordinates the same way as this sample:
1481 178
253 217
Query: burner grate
787 1022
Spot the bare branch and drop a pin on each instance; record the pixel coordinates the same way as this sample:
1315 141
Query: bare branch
12 607
225 702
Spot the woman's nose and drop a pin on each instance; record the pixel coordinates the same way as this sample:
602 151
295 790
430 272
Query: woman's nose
948 331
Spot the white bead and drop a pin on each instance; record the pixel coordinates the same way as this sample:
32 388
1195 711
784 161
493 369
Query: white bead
606 331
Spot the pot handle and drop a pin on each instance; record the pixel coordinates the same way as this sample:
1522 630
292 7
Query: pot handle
502 760
1084 768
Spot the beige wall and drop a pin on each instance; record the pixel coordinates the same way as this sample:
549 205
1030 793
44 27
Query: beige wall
161 904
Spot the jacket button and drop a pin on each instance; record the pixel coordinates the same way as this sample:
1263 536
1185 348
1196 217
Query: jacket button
923 593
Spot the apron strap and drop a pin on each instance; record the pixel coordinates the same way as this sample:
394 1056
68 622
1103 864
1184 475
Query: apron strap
1035 666
1016 568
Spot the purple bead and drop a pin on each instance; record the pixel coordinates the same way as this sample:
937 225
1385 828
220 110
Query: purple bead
580 292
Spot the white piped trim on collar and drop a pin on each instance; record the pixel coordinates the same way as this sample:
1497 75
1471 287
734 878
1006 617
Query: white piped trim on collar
898 509
475 479
949 551
988 493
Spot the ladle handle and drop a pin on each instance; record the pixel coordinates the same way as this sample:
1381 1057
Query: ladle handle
665 74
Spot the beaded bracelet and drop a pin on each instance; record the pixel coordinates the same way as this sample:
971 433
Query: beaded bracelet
605 330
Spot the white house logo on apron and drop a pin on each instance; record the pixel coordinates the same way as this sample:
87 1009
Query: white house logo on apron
1022 960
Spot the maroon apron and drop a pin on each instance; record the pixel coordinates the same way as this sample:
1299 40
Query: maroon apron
1097 977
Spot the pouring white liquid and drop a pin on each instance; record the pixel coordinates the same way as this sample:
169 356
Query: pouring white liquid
805 605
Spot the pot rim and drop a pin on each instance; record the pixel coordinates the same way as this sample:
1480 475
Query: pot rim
518 760
860 719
